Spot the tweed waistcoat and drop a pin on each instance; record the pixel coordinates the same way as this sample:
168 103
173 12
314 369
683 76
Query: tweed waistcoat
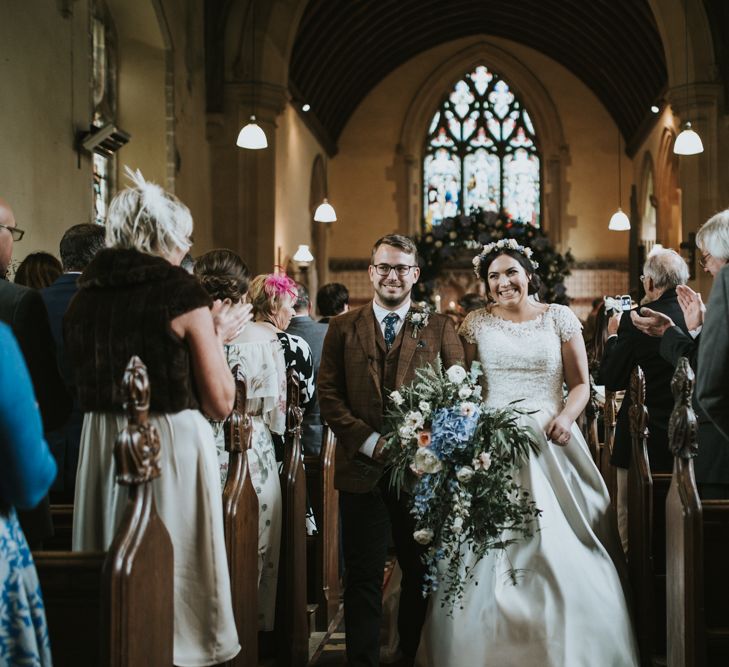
124 306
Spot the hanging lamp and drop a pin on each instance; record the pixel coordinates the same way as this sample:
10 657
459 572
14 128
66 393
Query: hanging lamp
325 212
688 142
619 222
252 135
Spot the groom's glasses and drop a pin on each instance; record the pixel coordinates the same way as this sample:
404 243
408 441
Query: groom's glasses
400 269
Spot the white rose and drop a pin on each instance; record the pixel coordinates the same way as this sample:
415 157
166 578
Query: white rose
423 536
464 474
464 391
426 461
482 461
414 420
424 407
456 374
397 398
458 525
467 408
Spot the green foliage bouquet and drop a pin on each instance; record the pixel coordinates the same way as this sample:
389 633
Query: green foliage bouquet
457 460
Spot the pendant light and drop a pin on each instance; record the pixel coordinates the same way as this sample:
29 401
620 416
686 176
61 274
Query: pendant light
688 142
252 136
619 222
325 211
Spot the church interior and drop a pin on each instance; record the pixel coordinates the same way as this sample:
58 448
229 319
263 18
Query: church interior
400 114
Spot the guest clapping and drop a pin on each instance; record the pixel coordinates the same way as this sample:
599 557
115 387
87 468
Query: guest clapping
134 299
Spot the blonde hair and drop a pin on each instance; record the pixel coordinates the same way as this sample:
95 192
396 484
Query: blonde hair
265 293
147 218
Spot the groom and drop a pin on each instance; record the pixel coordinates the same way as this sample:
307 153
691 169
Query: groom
368 353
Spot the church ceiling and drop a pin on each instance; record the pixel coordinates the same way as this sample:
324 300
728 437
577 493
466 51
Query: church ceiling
344 48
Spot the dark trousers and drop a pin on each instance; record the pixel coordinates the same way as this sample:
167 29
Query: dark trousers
368 521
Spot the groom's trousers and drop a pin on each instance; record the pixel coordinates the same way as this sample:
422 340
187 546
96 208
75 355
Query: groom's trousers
368 521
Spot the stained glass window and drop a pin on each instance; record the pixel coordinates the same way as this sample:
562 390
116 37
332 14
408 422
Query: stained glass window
481 152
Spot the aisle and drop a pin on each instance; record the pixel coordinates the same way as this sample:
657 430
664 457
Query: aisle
332 650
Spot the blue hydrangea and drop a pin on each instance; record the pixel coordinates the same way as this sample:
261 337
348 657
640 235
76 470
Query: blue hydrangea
451 431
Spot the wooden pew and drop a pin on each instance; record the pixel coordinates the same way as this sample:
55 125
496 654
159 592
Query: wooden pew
240 520
291 609
62 519
590 430
646 533
116 609
697 548
608 471
323 574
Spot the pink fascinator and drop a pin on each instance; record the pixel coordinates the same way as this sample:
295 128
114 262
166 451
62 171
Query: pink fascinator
277 284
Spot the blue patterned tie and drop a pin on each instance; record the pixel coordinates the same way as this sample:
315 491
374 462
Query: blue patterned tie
390 322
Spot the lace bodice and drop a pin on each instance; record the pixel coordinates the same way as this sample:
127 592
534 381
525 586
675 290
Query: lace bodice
522 360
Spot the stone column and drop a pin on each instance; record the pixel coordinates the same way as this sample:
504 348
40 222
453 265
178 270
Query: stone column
243 183
699 174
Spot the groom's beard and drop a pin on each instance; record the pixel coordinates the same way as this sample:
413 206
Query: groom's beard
390 300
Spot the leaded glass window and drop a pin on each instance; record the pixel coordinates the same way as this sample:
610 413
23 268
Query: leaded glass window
104 98
481 152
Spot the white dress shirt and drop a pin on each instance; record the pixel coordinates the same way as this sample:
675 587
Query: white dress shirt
368 446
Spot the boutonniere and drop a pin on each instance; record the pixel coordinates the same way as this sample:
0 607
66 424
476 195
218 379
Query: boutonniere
418 318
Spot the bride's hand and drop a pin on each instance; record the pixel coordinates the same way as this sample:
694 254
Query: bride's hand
559 430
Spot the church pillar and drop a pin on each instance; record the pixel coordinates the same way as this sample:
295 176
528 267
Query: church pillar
698 174
244 181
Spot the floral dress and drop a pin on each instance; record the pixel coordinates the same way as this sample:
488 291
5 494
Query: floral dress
23 631
262 365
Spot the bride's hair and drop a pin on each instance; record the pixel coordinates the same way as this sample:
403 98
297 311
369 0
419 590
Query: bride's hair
485 261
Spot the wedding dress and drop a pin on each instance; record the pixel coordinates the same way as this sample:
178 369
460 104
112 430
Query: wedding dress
568 607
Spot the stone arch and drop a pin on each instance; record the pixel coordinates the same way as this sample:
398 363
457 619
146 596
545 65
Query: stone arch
647 227
536 100
668 201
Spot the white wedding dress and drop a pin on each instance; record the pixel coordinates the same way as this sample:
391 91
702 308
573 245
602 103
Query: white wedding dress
568 607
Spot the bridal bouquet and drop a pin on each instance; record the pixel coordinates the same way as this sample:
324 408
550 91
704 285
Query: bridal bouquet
457 458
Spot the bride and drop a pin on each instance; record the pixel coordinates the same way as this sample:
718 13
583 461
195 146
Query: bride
568 606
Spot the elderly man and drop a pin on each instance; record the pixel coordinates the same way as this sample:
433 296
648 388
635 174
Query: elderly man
711 466
23 310
663 271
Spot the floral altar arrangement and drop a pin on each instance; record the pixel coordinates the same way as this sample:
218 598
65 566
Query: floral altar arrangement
456 458
443 244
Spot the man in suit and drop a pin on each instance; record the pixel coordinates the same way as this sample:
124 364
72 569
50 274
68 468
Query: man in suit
712 384
663 271
313 333
711 465
78 246
368 353
23 310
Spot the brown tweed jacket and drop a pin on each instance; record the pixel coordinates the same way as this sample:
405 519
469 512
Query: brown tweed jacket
350 386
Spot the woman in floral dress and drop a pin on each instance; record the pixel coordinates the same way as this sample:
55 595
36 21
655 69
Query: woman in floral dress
27 471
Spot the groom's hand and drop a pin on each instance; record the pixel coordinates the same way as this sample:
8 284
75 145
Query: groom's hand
378 451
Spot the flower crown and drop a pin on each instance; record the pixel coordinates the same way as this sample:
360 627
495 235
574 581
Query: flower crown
503 244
